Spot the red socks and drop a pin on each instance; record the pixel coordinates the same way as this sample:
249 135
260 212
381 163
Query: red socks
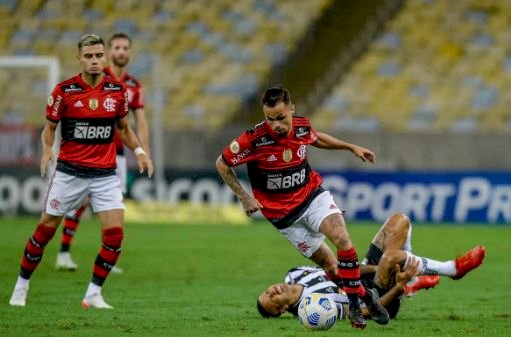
108 254
69 230
349 271
34 249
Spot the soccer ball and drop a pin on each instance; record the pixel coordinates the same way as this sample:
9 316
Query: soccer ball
317 311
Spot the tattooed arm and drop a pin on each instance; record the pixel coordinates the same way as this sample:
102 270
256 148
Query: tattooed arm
250 204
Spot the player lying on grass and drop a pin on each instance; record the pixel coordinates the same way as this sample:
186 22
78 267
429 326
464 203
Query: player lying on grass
389 266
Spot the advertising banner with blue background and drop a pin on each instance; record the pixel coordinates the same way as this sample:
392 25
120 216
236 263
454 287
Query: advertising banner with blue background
446 196
425 196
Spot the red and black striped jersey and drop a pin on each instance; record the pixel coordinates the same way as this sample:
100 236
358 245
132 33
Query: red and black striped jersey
279 172
135 97
88 117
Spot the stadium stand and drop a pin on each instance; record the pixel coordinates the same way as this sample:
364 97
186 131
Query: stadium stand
439 66
213 55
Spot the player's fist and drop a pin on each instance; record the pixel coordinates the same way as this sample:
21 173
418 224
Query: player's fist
250 205
145 163
46 157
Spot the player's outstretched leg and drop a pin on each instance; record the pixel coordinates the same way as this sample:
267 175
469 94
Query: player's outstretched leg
106 259
469 261
455 269
32 256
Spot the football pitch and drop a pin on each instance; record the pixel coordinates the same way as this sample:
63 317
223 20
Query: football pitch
203 281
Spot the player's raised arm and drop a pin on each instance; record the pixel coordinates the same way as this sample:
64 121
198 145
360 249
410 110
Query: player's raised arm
250 204
130 140
326 141
47 139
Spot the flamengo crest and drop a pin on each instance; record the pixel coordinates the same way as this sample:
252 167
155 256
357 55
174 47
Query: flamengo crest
109 104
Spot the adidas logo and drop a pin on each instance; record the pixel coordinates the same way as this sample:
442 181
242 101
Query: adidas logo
271 158
78 104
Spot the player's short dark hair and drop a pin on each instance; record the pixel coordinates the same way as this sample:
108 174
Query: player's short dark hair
89 40
275 95
116 36
263 311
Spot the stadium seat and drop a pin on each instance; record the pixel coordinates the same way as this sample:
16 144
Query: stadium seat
213 54
445 74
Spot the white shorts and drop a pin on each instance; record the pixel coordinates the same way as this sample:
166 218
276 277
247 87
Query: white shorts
304 233
122 172
67 192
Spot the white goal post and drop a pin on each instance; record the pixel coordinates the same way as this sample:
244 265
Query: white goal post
48 62
53 69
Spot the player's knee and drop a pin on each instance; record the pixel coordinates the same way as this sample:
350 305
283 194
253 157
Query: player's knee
113 237
399 222
390 258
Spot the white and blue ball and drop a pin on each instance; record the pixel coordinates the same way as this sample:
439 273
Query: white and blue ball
317 311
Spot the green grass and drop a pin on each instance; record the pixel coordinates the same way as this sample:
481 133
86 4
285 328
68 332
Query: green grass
203 281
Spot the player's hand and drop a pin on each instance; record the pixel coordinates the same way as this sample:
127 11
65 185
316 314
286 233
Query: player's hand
250 205
364 154
403 277
276 289
144 162
45 159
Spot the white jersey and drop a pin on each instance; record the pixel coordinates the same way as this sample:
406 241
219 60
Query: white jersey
314 280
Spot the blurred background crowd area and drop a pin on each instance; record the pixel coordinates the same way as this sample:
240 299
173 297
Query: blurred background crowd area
362 67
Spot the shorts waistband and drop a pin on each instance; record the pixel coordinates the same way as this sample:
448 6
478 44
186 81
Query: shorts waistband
296 213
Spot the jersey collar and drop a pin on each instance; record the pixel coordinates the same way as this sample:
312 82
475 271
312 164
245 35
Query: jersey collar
82 82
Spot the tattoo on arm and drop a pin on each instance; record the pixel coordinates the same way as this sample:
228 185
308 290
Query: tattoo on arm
229 176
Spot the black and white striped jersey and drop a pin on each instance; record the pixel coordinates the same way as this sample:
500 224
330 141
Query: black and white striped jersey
314 280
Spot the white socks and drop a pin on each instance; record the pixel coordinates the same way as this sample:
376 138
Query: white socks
93 289
22 282
431 267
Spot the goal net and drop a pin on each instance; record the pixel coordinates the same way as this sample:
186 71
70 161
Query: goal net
25 83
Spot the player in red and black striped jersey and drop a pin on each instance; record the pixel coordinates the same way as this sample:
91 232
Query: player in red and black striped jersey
119 50
289 194
90 108
389 267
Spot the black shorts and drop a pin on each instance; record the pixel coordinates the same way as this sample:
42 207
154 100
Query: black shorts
373 257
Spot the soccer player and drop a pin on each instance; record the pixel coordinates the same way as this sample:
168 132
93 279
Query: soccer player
289 194
389 266
88 106
119 52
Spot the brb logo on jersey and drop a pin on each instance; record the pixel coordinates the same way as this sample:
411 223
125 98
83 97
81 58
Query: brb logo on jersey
85 131
284 182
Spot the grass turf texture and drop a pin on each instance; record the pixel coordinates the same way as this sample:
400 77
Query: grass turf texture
204 281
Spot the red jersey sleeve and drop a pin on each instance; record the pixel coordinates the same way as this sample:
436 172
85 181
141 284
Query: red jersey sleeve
55 106
124 106
239 151
138 99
